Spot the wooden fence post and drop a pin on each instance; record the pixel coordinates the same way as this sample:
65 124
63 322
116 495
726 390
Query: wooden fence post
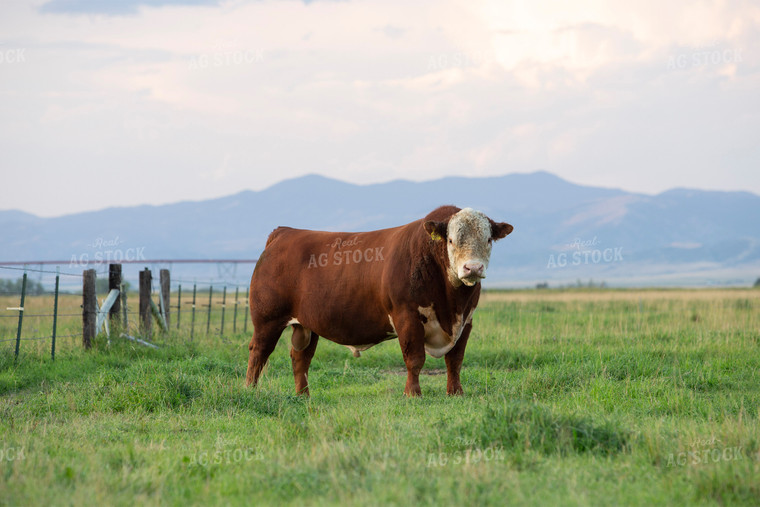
89 307
145 317
165 292
114 282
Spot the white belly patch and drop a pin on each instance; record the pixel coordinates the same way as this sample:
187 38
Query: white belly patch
437 341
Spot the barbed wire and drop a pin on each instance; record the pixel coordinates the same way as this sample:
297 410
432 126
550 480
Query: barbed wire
43 337
204 286
41 271
210 281
41 293
31 315
25 339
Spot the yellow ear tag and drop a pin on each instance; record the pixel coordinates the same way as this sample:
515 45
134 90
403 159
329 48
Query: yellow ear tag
436 236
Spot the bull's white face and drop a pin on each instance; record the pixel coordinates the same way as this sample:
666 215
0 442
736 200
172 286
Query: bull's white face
469 235
468 242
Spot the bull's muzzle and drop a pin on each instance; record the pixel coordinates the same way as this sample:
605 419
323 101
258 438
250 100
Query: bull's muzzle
472 272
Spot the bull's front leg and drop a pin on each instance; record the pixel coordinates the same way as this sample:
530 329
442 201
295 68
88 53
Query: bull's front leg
454 359
411 337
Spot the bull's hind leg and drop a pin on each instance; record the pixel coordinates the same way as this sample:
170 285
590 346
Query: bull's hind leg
303 345
262 344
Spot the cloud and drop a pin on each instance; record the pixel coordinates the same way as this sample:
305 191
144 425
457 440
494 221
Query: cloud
115 8
394 32
122 7
206 101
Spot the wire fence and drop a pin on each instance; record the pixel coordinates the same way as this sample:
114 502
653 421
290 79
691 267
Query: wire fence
209 308
30 311
42 311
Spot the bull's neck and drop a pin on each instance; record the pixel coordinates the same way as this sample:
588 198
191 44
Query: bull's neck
462 295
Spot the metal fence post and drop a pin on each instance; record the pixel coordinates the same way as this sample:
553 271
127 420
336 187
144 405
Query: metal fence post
55 313
20 315
192 318
224 305
208 318
248 313
179 303
234 314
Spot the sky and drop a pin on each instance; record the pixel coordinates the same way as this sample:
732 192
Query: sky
155 101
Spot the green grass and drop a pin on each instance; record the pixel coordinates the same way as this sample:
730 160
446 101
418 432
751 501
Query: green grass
571 398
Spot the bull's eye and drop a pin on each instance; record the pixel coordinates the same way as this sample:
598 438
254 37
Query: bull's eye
451 241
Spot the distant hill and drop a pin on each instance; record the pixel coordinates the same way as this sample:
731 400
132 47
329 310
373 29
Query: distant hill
563 232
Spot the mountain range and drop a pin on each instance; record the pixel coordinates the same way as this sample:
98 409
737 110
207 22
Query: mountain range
564 232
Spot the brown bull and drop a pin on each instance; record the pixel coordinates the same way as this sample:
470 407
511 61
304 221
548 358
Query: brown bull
419 283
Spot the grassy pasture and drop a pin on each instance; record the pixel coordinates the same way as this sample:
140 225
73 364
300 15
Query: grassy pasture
578 397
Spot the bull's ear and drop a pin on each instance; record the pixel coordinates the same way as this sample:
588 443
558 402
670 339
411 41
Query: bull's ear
499 230
437 230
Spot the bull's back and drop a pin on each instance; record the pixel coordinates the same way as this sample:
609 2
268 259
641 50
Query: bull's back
330 282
